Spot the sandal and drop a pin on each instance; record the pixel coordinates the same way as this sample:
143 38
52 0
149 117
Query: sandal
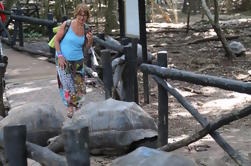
70 113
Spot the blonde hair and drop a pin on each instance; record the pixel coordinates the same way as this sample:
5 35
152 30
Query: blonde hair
81 8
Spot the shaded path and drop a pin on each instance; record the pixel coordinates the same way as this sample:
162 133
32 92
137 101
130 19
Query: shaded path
33 79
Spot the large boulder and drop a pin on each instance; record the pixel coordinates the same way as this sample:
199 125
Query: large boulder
114 125
42 122
144 156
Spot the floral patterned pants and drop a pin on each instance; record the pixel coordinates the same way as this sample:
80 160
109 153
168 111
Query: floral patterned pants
71 82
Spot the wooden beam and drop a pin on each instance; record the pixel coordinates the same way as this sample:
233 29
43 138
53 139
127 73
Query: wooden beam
204 123
106 44
33 20
199 79
224 120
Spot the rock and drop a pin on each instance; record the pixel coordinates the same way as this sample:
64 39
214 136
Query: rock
42 122
144 156
115 125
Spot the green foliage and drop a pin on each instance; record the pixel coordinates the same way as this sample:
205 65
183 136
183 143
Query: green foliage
33 34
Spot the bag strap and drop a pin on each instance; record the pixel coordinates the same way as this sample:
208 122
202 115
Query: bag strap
66 28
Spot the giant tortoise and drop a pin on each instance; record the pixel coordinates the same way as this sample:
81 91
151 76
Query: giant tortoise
144 156
115 125
42 122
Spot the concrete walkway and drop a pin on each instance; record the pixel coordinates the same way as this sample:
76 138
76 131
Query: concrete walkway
33 79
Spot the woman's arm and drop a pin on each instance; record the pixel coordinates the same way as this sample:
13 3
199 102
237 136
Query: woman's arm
58 37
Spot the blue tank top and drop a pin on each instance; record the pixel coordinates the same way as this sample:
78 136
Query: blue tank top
71 46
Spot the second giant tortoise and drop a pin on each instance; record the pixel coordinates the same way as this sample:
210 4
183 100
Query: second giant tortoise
114 125
42 122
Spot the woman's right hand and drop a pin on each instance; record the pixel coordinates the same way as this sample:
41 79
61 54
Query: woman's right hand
61 62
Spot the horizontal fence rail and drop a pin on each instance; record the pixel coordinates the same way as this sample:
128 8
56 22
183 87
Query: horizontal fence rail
106 44
27 19
199 79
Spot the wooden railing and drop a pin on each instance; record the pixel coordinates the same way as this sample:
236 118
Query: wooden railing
161 73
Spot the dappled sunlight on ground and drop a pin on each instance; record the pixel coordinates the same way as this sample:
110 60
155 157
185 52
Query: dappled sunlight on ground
229 102
22 90
17 71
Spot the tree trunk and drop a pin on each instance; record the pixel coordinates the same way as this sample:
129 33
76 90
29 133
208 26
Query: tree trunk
215 24
110 17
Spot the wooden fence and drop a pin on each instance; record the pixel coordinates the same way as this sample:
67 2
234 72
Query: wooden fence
19 19
161 73
17 149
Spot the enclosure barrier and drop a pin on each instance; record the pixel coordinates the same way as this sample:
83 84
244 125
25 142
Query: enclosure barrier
3 66
17 149
161 73
18 18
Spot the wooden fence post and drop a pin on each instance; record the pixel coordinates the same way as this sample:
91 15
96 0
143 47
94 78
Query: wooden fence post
143 42
107 72
162 104
2 71
50 32
76 145
20 27
130 72
15 145
3 66
121 18
13 42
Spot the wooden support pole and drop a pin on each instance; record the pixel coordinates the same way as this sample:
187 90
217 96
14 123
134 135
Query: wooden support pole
143 41
107 73
37 11
76 145
199 79
50 32
130 72
20 28
121 18
14 38
204 123
188 17
2 109
162 104
14 145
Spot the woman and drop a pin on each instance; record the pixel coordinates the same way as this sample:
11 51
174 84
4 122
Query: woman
70 56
